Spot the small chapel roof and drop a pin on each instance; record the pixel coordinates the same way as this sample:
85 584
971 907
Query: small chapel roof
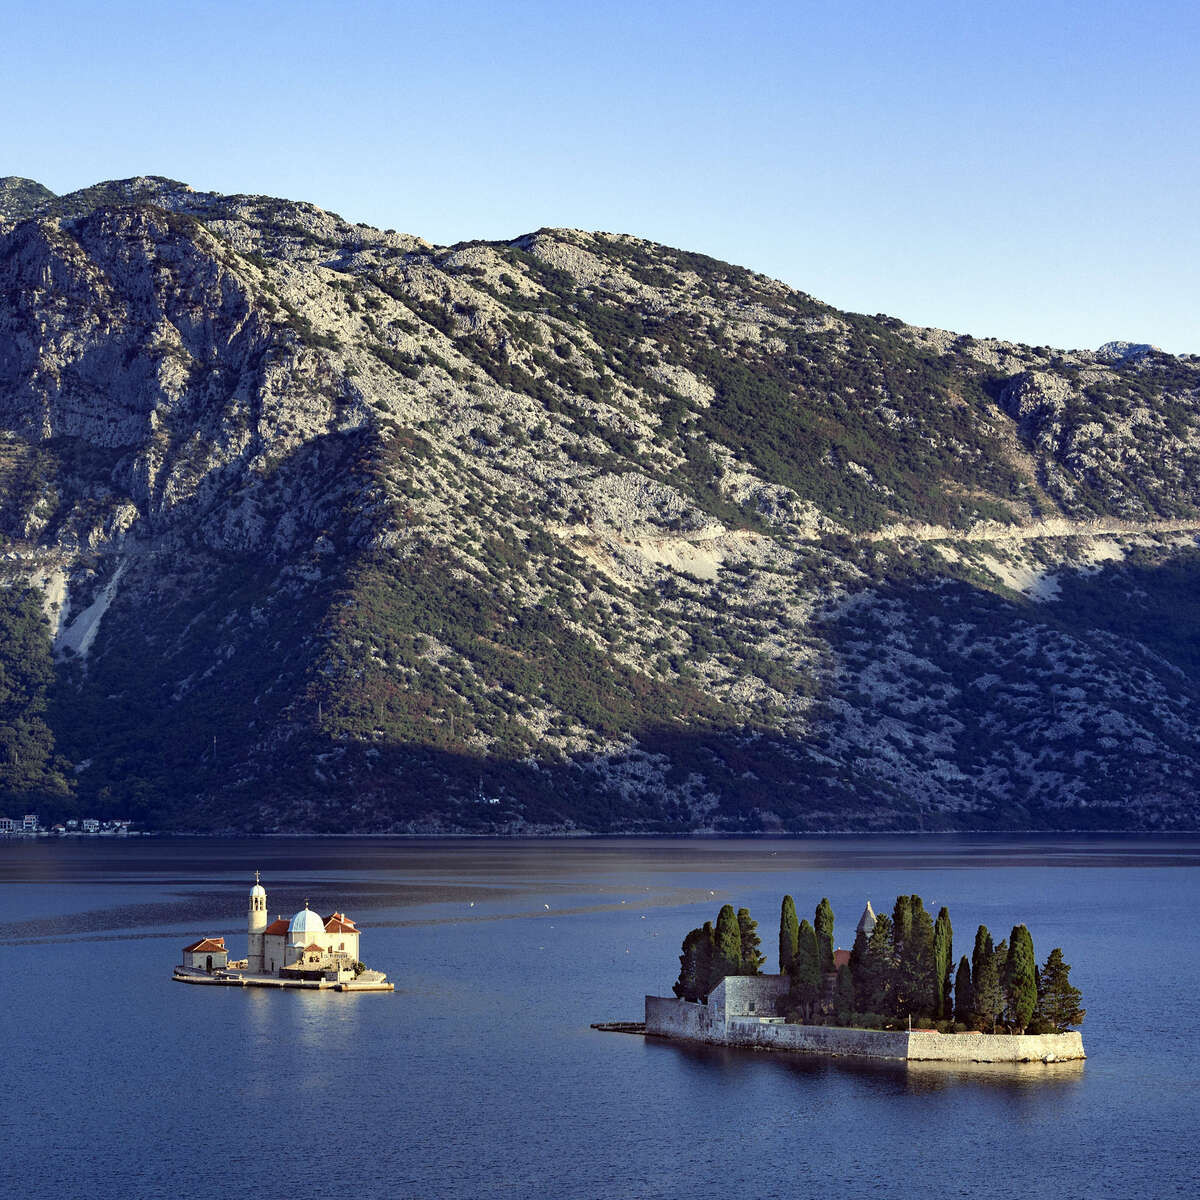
278 927
866 923
339 923
205 946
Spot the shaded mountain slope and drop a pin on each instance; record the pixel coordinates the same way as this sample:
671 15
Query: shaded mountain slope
340 530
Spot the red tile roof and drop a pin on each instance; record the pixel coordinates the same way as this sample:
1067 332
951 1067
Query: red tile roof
339 923
314 946
205 946
841 958
279 927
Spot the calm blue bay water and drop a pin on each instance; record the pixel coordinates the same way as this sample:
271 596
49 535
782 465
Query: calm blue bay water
480 1077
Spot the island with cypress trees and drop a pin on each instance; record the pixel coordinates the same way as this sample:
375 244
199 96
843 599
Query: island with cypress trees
896 994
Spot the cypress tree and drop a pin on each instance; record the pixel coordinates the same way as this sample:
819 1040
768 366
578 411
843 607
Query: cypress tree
806 972
985 982
1059 1000
752 958
789 931
823 927
879 984
727 947
695 965
704 967
999 959
964 998
859 971
1020 983
901 924
918 972
843 996
943 957
983 945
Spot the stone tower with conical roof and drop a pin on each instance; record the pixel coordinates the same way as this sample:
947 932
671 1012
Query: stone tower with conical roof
256 923
866 923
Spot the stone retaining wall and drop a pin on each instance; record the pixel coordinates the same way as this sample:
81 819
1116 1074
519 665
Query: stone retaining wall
666 1017
988 1047
742 995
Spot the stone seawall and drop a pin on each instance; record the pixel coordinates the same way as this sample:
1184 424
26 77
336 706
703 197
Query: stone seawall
703 1023
988 1047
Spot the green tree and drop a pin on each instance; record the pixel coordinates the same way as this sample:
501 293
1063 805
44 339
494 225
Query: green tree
964 997
985 984
727 948
943 958
29 769
806 972
859 970
789 931
1000 959
752 956
823 927
918 968
695 965
878 988
1020 978
901 924
983 946
1058 1000
843 996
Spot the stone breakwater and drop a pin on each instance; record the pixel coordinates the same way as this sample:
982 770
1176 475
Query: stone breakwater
741 1012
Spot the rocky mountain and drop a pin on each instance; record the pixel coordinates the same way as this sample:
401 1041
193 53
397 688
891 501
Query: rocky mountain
335 529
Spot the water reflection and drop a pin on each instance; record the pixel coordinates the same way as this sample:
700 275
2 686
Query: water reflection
914 1078
940 1076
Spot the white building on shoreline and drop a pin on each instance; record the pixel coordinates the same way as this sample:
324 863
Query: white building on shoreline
304 946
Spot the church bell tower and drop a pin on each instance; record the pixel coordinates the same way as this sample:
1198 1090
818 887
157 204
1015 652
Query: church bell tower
255 924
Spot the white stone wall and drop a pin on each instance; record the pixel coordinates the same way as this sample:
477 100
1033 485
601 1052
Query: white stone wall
273 947
709 1023
820 1039
254 953
738 995
988 1047
277 949
682 1019
199 961
332 941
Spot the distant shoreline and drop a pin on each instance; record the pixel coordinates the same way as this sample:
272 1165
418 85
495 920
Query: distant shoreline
589 835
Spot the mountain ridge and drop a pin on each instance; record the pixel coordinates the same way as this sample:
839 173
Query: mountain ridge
341 530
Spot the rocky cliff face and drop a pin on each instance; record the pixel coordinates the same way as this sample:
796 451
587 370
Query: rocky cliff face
340 530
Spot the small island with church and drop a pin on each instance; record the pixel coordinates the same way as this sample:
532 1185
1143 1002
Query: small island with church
305 951
895 995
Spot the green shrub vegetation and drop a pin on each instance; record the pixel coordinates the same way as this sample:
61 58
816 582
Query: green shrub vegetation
900 974
30 769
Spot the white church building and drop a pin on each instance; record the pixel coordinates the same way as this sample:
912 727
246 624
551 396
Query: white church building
305 946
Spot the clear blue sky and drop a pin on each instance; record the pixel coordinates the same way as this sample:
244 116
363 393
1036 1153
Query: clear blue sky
1022 170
